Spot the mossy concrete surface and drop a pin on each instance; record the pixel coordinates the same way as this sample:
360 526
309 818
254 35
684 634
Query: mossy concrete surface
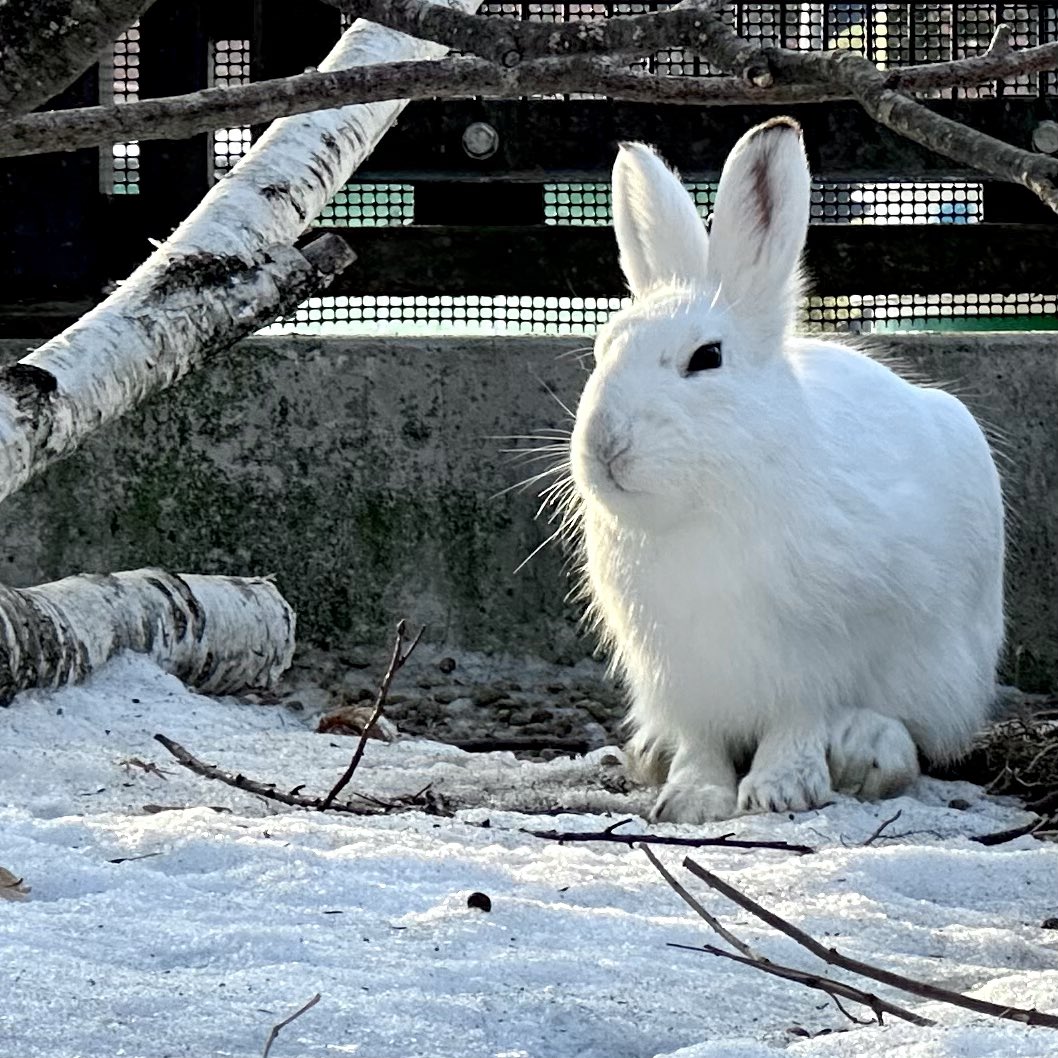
367 474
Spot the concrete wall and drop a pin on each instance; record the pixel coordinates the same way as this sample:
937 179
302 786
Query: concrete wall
364 473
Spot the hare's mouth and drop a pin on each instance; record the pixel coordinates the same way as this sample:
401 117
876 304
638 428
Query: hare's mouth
611 476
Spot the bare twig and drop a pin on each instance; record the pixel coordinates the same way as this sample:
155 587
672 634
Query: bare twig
527 744
748 956
886 823
280 1025
1000 837
835 958
725 841
268 790
707 916
819 983
509 41
1046 805
999 62
396 663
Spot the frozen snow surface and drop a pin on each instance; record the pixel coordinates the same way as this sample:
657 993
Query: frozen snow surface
192 930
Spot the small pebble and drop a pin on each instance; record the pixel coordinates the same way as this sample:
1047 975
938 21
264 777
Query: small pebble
447 665
479 900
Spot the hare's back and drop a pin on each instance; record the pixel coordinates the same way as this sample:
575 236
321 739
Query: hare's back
884 423
908 459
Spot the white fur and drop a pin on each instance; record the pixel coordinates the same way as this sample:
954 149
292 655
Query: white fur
796 557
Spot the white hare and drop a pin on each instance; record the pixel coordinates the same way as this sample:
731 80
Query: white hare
795 554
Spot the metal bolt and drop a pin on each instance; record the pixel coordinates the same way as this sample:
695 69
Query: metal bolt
480 140
1045 137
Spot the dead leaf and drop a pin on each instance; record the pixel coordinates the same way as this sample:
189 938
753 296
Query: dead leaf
352 719
11 887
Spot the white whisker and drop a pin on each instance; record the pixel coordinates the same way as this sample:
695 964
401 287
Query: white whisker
557 399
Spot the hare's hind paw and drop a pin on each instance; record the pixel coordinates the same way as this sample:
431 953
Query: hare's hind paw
871 756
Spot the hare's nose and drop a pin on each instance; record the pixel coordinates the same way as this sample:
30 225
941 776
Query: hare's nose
607 442
609 446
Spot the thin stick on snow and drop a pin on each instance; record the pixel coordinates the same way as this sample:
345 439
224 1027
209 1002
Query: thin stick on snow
396 663
372 806
1000 837
280 1025
833 988
881 828
725 841
747 956
894 980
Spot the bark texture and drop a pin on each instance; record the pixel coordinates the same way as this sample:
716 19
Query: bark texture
45 45
216 634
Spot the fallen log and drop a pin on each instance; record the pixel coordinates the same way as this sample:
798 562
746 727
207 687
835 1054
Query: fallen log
219 635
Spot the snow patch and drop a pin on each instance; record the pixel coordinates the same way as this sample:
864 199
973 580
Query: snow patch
190 931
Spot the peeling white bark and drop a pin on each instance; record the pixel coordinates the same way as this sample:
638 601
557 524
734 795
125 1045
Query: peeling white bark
219 635
152 329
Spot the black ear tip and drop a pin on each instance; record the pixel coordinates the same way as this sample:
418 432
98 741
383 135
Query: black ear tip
782 123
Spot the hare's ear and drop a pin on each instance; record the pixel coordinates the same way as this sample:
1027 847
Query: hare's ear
760 222
659 233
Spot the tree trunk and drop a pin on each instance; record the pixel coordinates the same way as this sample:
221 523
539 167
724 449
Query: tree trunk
155 327
216 634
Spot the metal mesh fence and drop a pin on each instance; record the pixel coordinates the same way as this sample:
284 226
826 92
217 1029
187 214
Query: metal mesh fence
230 66
120 83
888 202
888 33
859 314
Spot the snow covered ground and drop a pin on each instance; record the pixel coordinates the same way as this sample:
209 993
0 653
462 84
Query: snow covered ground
191 931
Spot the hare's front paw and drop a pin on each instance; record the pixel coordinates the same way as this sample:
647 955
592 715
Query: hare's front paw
794 787
871 755
693 804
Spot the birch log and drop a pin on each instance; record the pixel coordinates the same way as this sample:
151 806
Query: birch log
126 349
217 634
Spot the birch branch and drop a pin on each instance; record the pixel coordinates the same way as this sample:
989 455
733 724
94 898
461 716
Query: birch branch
216 634
189 307
235 245
45 45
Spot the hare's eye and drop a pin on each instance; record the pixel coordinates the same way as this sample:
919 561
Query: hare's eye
704 358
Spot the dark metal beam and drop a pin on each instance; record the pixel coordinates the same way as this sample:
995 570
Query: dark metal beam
582 261
543 140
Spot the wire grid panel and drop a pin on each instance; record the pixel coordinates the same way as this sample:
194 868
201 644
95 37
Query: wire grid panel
449 315
230 66
861 314
369 205
889 202
119 82
361 204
